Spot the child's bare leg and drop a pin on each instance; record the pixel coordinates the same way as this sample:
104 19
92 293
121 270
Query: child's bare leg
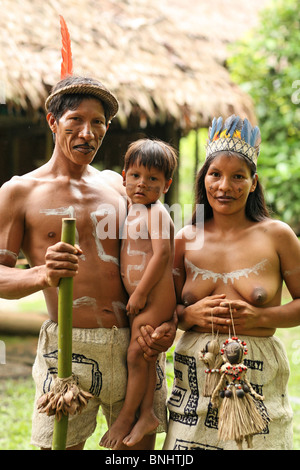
147 421
136 388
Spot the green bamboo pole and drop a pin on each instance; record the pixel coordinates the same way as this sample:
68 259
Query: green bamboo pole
65 317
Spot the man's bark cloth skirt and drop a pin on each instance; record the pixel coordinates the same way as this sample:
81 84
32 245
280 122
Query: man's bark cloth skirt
99 361
193 423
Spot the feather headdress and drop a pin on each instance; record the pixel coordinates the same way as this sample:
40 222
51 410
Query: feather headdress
236 136
70 84
66 51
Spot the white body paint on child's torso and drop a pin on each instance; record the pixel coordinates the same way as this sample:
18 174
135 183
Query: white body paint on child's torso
135 267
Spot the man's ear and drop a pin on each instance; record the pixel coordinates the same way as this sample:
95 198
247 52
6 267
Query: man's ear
168 184
124 177
52 122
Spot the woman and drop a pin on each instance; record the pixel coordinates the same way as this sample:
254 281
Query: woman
232 284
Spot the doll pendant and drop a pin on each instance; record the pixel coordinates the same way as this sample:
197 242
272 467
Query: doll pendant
240 416
213 360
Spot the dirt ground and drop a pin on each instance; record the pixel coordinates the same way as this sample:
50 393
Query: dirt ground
19 330
20 355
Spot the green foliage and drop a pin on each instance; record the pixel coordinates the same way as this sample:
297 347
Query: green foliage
266 64
16 398
192 157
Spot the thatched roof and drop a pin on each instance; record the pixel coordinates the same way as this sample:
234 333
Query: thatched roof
162 58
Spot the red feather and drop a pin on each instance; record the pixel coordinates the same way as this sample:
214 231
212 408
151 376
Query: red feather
66 52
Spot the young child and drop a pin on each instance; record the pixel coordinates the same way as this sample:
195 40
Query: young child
146 269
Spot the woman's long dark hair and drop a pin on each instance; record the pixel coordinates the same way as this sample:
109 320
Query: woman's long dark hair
256 208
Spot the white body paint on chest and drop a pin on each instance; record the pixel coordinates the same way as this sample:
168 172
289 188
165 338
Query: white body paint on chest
225 277
100 250
70 211
62 211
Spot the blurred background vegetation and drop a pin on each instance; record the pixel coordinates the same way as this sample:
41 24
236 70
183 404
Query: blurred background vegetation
266 64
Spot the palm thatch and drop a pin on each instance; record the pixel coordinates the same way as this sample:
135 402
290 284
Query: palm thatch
163 59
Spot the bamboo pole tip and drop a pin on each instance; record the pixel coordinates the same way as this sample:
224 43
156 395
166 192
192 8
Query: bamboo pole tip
69 219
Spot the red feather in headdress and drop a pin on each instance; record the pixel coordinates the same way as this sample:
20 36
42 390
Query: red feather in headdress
66 52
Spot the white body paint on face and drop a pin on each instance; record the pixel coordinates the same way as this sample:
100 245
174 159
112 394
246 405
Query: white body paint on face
135 267
225 277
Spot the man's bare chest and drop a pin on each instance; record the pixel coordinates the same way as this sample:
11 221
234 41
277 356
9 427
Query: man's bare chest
99 216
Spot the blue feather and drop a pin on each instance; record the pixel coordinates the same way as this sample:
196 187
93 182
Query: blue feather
219 125
254 134
228 123
213 128
246 131
233 126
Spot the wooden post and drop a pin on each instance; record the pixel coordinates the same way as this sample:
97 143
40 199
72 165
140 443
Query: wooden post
65 318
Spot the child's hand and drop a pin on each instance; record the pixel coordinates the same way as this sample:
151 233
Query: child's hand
136 303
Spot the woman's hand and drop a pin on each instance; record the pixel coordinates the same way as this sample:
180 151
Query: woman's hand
245 316
205 314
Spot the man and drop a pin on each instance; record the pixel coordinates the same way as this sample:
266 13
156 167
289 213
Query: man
31 209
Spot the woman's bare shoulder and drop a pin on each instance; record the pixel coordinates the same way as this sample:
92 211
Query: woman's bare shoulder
277 228
186 232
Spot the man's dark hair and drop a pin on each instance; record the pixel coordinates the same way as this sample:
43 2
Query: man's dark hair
68 93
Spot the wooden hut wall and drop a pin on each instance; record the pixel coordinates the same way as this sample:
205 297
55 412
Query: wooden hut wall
25 145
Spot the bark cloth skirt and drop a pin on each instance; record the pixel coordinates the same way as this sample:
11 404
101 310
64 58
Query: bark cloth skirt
193 423
99 362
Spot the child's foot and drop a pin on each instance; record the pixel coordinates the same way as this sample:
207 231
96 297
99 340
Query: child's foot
113 438
146 424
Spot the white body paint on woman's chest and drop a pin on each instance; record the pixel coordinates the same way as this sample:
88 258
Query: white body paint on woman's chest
225 277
